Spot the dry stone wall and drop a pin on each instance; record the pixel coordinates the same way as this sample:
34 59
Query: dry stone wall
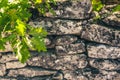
78 49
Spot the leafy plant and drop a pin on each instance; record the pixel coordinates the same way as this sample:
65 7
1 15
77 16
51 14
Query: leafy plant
116 8
14 15
97 5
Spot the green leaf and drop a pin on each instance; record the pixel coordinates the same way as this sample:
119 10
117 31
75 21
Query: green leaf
38 31
2 47
3 3
38 1
22 52
97 5
117 8
38 43
20 27
10 38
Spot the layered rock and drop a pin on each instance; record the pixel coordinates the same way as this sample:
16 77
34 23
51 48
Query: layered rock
57 26
72 9
2 69
68 62
76 49
101 34
105 64
103 51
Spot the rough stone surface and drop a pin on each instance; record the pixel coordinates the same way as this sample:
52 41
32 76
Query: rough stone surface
101 34
8 57
71 75
46 61
104 75
68 62
27 72
47 41
2 69
70 49
71 62
77 49
91 74
72 9
113 20
65 40
16 64
103 51
57 26
105 64
8 79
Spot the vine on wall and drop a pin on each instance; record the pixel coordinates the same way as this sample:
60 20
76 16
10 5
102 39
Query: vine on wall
14 15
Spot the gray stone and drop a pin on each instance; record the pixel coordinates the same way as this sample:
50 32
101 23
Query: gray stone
113 21
50 43
47 41
2 69
104 75
65 40
101 34
12 65
71 75
29 72
90 74
105 64
70 49
68 62
57 26
72 9
7 57
71 62
46 61
8 79
103 51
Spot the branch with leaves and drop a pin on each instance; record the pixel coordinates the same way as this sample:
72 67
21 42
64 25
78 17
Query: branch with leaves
14 15
98 5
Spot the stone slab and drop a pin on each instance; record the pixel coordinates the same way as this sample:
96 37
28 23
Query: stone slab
71 9
2 69
29 72
101 34
70 49
105 64
58 26
71 75
7 57
103 51
65 40
14 65
69 62
105 75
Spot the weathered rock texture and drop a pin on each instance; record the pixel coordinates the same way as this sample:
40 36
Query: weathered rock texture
77 49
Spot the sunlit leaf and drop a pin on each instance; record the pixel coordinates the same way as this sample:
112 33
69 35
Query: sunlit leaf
39 1
97 5
14 16
22 52
20 27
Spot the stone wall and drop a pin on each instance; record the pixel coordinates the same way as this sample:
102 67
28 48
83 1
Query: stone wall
78 48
